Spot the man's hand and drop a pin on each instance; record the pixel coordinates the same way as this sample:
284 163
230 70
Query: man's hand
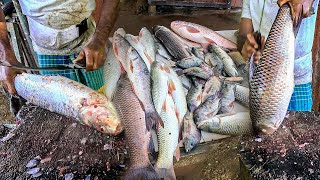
251 47
93 54
298 8
7 76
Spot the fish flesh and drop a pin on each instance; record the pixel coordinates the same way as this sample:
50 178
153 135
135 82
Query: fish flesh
147 41
194 97
228 64
160 79
111 73
191 134
120 47
211 88
272 83
198 72
140 79
228 98
242 94
70 98
207 109
171 42
201 34
189 62
236 124
168 140
135 43
137 137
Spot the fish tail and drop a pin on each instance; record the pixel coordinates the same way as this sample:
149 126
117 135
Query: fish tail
167 174
153 120
144 173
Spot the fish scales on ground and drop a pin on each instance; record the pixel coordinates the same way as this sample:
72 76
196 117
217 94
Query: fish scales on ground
201 34
189 62
171 42
168 140
242 94
236 124
191 134
194 97
207 109
111 73
211 88
272 83
135 43
228 64
228 98
70 98
140 79
137 136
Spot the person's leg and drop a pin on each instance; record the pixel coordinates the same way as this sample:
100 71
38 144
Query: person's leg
301 99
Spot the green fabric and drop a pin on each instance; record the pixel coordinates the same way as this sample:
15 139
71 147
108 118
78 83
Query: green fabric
92 79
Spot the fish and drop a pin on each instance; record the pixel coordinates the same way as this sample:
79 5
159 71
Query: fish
171 42
137 137
198 72
161 50
186 82
207 109
177 92
168 140
207 68
237 58
164 60
211 88
228 64
216 63
140 79
228 98
189 62
70 98
201 34
242 94
272 83
194 97
191 134
160 88
141 50
120 47
236 124
198 52
147 41
111 73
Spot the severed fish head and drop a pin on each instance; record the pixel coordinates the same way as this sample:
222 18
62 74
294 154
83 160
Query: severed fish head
102 117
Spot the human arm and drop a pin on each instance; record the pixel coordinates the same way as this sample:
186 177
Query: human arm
298 8
94 53
7 56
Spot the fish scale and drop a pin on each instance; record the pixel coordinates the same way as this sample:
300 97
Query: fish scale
272 83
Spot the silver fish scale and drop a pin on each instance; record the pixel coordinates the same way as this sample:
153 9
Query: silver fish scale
272 83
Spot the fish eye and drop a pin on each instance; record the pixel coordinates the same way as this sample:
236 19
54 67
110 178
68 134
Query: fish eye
95 106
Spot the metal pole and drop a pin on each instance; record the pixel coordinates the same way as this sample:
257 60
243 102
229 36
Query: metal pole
25 29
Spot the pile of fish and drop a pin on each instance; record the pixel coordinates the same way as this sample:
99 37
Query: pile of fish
176 87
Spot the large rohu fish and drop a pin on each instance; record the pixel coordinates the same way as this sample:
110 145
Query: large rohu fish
133 116
272 83
70 98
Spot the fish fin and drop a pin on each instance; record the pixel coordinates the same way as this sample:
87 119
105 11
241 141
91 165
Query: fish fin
252 67
131 66
164 106
167 174
177 155
192 29
142 173
148 57
151 148
173 87
210 41
153 120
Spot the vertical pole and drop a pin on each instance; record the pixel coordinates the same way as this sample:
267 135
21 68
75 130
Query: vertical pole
316 65
25 29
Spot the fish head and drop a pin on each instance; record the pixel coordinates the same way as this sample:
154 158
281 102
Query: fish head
190 143
102 117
